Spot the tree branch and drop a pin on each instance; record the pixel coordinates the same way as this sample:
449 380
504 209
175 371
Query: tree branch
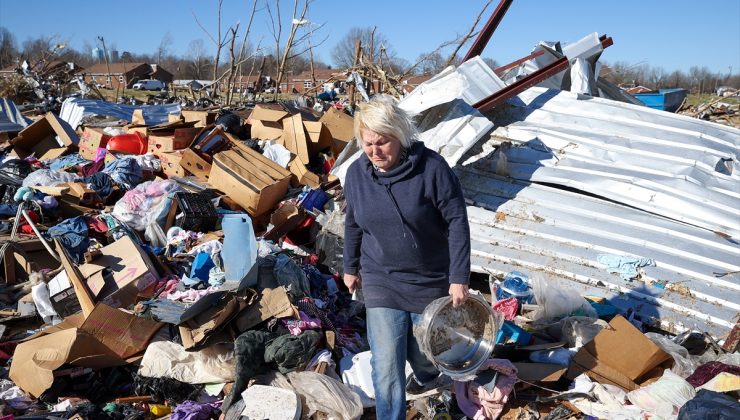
468 36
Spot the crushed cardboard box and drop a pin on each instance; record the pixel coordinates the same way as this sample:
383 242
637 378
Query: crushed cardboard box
252 180
265 121
620 355
107 337
40 139
341 127
91 140
115 277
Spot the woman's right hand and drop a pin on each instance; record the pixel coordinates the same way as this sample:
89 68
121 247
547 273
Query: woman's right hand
353 282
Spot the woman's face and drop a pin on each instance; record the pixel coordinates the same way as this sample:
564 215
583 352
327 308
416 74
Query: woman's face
382 150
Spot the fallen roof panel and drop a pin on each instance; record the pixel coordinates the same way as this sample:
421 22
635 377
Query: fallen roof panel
559 234
678 167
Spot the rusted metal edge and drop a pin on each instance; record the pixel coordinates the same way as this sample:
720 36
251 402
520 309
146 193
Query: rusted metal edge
606 42
522 85
485 34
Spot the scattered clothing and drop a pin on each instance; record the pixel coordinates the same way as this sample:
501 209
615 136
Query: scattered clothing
73 235
710 405
126 172
480 401
626 266
508 307
191 410
707 371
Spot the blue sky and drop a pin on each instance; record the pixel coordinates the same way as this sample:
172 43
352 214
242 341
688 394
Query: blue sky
673 34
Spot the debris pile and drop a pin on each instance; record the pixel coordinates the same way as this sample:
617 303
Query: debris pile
168 262
719 110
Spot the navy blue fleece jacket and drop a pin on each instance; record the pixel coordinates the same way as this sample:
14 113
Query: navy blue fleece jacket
406 230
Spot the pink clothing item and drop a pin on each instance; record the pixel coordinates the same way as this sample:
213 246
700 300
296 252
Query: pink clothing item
305 323
479 404
191 295
508 307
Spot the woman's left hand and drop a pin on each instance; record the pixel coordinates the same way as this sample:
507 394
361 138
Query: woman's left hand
458 292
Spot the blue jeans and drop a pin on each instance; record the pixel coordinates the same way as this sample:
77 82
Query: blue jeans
392 342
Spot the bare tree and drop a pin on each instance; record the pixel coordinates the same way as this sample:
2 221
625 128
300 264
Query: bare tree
8 48
218 41
467 36
296 44
164 47
373 42
198 62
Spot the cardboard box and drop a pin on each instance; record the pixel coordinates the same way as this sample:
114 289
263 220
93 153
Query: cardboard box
284 220
301 174
78 193
539 372
273 303
341 127
171 163
197 331
192 162
115 277
319 137
180 139
26 257
265 121
91 140
295 138
40 140
137 118
252 180
106 338
201 118
620 355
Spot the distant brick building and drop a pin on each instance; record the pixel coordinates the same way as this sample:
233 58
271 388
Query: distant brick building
125 75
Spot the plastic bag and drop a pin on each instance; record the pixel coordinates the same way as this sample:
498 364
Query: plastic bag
560 356
557 302
326 395
144 204
579 330
664 397
683 364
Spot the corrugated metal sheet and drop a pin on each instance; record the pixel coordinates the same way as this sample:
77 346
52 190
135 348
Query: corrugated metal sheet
74 110
10 117
679 167
558 234
617 179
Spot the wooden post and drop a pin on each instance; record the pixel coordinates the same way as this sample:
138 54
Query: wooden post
352 88
258 85
310 61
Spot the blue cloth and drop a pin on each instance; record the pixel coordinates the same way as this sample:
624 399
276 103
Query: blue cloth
8 210
126 172
201 266
72 234
406 230
623 265
100 182
68 161
392 342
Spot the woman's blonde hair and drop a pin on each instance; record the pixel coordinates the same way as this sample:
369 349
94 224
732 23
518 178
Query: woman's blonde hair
383 116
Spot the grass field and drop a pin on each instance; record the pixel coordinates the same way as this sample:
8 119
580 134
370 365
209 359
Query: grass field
696 99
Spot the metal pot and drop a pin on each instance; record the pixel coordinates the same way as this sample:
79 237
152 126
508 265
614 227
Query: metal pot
458 340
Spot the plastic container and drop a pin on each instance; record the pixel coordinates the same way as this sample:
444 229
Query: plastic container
133 143
512 333
197 212
516 285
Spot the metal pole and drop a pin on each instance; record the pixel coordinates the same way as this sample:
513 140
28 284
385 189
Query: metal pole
41 238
